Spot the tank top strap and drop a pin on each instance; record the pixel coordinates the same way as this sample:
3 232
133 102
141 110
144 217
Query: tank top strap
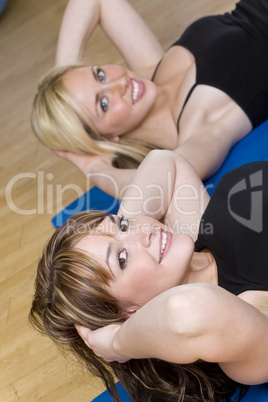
185 102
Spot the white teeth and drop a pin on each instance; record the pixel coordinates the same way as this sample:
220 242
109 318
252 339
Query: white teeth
163 245
135 91
164 240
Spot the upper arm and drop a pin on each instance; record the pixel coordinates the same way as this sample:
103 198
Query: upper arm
122 24
220 327
200 321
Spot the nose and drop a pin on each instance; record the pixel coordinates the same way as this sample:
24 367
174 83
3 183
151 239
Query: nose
141 233
118 85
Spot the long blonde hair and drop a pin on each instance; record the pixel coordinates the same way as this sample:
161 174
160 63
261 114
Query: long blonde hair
71 288
59 123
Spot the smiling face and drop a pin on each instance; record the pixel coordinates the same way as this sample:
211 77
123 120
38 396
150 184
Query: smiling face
114 100
145 259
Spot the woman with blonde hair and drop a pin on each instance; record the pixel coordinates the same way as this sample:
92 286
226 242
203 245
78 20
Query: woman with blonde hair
200 97
171 294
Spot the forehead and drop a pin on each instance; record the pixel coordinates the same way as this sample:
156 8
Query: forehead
108 226
95 246
77 74
79 84
102 232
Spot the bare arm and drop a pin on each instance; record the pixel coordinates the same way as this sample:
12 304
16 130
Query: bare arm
205 154
200 322
163 179
167 188
122 24
205 149
188 323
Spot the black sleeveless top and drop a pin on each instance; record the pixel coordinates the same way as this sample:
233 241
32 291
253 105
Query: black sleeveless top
231 54
234 228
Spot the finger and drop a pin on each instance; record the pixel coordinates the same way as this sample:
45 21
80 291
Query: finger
58 152
83 332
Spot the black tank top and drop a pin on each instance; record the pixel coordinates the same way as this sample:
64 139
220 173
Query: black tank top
231 54
234 228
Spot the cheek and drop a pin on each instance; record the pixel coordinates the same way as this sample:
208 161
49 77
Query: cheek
120 110
122 119
139 281
145 282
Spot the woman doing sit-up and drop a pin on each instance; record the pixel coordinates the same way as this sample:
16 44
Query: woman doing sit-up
179 315
201 96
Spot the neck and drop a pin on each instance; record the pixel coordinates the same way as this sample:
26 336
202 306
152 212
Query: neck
159 116
203 268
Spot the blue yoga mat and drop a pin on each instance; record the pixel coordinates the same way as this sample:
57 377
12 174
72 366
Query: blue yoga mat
3 4
105 396
256 393
252 148
93 199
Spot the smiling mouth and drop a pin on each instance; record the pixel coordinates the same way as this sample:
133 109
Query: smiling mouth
163 244
138 90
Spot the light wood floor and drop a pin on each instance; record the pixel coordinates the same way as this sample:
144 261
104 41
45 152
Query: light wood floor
31 368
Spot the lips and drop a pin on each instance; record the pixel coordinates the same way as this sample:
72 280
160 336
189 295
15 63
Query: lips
165 241
137 90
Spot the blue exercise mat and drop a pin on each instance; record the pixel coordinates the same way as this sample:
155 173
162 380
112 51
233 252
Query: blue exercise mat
105 396
93 199
256 393
252 148
3 4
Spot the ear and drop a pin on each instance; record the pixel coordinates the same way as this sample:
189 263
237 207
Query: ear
115 138
128 312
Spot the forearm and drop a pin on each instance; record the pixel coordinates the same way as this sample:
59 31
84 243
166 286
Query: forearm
165 187
79 20
110 179
119 20
147 194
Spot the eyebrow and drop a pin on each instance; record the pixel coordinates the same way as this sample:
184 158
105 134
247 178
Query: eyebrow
108 255
94 74
97 96
109 248
111 218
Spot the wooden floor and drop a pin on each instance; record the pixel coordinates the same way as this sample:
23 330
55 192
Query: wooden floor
35 185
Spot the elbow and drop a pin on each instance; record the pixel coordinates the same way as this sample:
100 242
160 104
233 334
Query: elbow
180 312
159 154
190 310
163 156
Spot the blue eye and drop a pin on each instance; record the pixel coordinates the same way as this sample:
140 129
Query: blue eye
123 224
104 104
122 259
101 75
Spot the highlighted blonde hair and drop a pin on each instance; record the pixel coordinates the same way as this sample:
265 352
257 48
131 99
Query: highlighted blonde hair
59 123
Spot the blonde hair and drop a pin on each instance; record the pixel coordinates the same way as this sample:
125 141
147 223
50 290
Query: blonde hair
59 123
